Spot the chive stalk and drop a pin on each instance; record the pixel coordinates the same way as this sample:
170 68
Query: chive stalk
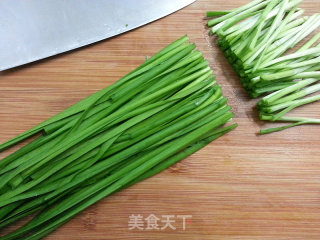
162 112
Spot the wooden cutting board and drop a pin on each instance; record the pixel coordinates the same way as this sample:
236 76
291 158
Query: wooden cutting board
242 186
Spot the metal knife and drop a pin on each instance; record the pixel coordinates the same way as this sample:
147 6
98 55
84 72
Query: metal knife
35 29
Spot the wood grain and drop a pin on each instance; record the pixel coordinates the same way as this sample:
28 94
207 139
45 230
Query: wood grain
242 186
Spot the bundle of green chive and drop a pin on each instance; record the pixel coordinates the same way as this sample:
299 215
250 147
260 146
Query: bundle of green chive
162 112
256 38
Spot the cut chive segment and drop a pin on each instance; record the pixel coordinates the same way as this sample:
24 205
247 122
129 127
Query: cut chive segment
258 39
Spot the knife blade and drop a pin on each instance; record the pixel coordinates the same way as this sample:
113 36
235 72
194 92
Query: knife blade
35 29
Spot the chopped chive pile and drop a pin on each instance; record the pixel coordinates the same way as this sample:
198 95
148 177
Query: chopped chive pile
257 40
160 113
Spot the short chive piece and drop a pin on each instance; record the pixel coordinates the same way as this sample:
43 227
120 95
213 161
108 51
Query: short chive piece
260 41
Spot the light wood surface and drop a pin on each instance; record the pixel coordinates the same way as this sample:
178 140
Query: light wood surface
242 186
